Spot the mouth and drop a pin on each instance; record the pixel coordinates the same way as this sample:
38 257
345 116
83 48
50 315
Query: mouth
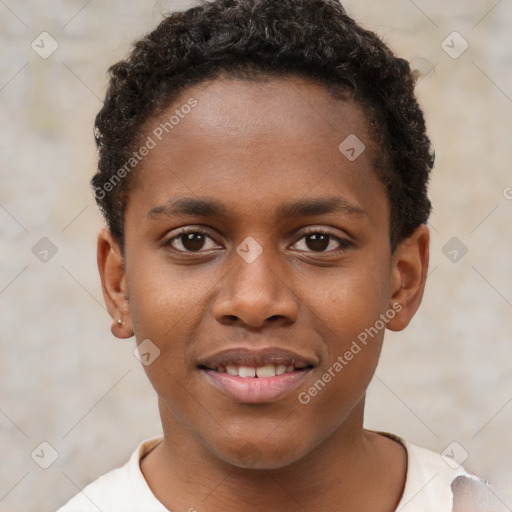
269 370
249 376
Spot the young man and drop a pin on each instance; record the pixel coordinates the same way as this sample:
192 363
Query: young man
263 174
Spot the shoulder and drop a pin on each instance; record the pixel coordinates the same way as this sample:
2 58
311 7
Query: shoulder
121 490
476 496
433 478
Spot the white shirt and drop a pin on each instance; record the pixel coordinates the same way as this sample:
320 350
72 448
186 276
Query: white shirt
427 486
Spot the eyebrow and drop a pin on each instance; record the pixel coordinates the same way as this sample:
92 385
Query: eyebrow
212 208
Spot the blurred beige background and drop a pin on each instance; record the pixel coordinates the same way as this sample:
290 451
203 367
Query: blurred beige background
66 381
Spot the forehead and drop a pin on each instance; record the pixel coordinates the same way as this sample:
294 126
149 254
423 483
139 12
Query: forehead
233 107
267 140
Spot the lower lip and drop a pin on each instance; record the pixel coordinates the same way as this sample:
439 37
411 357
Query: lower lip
256 390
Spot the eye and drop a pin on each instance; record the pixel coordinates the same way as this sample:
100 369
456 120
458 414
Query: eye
190 240
319 241
193 240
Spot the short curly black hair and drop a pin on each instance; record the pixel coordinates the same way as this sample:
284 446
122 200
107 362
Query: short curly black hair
261 39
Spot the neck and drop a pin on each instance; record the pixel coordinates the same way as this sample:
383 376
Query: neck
337 475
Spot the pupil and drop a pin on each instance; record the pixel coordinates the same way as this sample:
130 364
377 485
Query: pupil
317 242
195 241
192 241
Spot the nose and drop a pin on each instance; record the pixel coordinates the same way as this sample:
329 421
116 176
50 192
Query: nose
252 294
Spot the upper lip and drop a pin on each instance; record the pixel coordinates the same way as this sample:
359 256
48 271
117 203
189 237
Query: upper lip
243 356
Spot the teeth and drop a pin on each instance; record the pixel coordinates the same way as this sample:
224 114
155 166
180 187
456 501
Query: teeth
266 371
246 371
270 370
231 369
280 369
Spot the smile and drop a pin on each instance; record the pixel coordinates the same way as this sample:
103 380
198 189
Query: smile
270 370
248 376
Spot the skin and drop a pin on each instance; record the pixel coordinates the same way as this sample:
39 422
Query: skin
254 146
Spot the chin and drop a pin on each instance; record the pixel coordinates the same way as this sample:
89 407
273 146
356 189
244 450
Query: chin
257 454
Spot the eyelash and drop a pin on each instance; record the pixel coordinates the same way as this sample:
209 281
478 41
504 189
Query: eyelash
344 244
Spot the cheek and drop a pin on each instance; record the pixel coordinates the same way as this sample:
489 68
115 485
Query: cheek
169 309
348 320
347 311
162 301
345 301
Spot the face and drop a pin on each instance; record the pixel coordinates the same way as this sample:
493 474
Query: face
258 265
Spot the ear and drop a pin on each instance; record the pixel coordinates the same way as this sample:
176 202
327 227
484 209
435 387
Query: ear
114 284
408 277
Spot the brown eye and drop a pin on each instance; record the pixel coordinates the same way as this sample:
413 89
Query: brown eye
190 241
319 242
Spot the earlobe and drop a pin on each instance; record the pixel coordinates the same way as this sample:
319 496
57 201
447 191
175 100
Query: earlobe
408 276
114 285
